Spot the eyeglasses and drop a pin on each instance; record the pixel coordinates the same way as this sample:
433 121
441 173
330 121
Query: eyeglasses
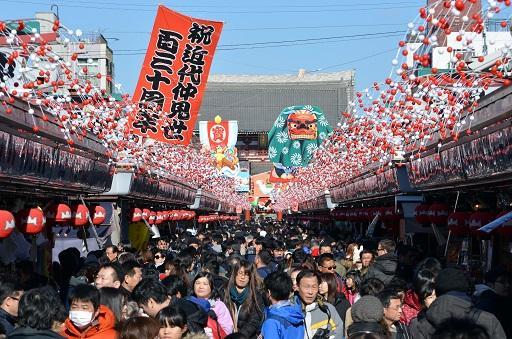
330 267
242 274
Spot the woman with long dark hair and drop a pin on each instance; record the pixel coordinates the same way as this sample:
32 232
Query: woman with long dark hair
418 300
328 291
352 285
243 299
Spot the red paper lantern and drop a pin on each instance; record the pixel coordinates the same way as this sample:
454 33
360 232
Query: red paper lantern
59 214
98 214
438 214
477 220
79 215
458 223
159 218
152 218
31 221
389 215
421 214
166 215
7 223
146 213
136 214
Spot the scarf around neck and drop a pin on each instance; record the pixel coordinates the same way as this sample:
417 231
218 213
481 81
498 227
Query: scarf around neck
238 298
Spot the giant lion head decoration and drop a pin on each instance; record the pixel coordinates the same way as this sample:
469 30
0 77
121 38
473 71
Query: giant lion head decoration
297 132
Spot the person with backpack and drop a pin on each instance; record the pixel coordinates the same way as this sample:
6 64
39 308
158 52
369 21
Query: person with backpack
283 319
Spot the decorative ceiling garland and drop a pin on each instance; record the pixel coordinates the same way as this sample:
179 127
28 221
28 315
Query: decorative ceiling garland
409 110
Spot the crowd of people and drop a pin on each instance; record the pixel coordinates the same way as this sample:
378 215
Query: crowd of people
253 281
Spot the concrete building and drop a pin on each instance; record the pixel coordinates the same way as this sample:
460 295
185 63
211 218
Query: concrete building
97 55
256 101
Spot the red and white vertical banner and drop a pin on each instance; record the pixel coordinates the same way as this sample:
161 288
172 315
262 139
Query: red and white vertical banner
173 76
213 134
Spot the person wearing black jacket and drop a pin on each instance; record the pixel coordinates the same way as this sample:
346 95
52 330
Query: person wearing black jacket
453 302
385 265
10 294
244 300
39 311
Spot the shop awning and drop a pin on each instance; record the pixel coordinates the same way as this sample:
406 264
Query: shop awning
496 223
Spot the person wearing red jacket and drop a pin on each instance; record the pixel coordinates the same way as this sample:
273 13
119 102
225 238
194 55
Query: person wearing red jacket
87 318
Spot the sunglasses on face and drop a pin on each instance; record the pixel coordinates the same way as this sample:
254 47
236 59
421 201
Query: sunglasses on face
159 256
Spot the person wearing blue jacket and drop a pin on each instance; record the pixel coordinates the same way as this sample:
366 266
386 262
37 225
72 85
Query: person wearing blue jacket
283 319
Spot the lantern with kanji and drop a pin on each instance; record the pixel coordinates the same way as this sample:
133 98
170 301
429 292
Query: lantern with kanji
58 214
145 214
458 223
98 214
477 220
152 218
136 214
30 221
79 215
421 214
7 223
159 218
438 214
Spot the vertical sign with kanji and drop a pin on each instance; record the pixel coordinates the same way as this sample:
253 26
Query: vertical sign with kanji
173 77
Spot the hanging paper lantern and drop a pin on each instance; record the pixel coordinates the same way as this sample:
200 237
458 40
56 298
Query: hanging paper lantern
98 214
421 214
438 214
458 223
136 214
477 220
30 221
79 215
145 214
389 215
59 214
152 218
7 223
166 215
159 218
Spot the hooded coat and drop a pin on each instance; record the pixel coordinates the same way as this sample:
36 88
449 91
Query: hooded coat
384 268
102 327
459 306
283 320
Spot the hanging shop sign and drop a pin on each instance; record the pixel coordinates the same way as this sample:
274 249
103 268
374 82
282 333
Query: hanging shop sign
173 76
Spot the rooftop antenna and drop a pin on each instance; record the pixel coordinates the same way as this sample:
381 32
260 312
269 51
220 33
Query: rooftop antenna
55 12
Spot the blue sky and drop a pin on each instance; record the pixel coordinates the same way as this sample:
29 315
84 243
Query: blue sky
361 35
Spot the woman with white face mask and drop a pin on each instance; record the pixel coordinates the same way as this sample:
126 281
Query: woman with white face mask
87 318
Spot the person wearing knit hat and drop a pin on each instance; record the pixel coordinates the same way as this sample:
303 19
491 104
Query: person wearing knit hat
367 309
367 314
453 301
